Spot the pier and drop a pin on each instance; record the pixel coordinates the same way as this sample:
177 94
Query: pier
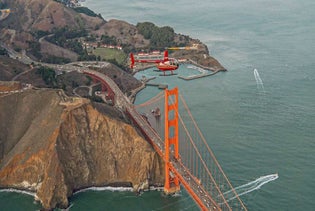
192 77
203 73
160 86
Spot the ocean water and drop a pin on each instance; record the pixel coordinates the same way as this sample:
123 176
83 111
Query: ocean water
259 117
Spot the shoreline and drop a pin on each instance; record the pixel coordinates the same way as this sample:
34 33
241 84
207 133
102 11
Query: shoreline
13 190
92 188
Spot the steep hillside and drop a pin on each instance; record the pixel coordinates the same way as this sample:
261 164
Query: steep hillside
32 20
125 32
10 68
54 145
44 15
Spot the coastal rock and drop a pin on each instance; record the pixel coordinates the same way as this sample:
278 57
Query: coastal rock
200 56
54 145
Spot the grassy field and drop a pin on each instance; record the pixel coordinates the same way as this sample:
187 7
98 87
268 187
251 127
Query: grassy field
110 54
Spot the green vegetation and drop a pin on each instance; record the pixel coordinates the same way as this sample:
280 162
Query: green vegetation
86 11
48 75
95 99
87 57
68 38
128 48
56 60
39 33
110 54
160 37
183 41
34 49
91 38
65 33
109 40
3 52
3 5
17 48
146 29
75 46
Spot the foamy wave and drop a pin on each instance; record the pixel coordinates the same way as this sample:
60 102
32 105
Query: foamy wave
18 191
113 189
156 188
117 189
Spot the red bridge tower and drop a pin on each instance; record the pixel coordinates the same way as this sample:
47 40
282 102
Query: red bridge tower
171 184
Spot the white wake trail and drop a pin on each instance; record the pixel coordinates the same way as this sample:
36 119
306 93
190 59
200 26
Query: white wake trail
259 82
249 187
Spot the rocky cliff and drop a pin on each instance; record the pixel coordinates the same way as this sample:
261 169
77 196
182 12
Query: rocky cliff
54 145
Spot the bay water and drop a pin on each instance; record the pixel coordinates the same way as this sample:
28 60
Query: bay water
258 117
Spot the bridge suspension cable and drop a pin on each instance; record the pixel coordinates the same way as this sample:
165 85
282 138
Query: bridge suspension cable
155 99
211 165
199 169
195 163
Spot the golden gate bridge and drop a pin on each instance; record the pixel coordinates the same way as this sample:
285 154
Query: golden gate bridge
188 158
168 125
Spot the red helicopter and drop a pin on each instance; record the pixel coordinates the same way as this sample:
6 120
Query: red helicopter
165 64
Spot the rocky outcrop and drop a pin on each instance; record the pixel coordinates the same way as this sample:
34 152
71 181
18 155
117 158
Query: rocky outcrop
200 56
6 86
54 145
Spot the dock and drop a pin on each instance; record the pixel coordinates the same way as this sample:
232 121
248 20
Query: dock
192 77
160 86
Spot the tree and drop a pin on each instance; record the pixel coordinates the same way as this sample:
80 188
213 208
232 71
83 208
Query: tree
160 37
3 52
146 29
110 40
3 5
34 49
48 75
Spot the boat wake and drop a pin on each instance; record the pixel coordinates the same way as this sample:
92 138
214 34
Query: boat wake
249 187
259 82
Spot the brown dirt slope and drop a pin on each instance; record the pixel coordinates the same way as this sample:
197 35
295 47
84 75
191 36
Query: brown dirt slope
9 86
45 15
10 68
123 31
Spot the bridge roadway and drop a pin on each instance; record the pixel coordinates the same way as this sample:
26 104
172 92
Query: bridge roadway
191 184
